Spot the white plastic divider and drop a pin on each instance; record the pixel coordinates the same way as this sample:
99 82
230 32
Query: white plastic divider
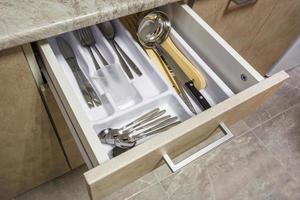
216 90
152 88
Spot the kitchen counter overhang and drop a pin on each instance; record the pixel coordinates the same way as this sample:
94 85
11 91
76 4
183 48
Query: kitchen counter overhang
31 20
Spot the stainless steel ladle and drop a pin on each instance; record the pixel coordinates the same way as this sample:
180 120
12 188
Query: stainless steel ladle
153 32
154 29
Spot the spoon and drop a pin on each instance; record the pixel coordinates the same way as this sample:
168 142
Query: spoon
109 33
153 32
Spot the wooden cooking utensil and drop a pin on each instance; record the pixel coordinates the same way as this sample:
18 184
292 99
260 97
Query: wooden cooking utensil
187 67
130 22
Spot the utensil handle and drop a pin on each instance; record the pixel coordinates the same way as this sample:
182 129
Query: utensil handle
162 67
187 67
128 60
122 62
83 90
199 98
88 86
163 127
103 60
97 66
152 123
82 86
169 61
148 119
141 118
175 167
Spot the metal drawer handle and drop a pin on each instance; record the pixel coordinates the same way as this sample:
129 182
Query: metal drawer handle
243 2
174 167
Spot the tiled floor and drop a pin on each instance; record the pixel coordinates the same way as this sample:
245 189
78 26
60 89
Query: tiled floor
261 162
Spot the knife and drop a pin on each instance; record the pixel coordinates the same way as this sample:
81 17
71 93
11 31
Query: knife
86 88
128 60
181 91
184 80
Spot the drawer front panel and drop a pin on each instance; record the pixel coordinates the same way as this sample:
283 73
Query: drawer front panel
144 158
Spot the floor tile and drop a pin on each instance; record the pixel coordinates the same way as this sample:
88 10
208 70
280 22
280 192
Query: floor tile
294 79
237 129
241 169
257 117
281 100
281 135
154 192
244 169
68 187
191 183
284 98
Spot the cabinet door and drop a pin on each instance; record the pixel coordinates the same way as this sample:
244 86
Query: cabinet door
63 132
30 153
260 32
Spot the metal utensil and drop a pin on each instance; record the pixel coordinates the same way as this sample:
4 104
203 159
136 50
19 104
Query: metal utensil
86 89
129 140
181 91
148 124
131 24
87 40
153 30
109 33
137 122
185 82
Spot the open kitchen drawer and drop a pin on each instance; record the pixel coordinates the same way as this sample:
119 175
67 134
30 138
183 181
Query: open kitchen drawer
234 89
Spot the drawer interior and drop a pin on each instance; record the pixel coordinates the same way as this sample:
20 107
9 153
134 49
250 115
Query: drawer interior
212 48
149 91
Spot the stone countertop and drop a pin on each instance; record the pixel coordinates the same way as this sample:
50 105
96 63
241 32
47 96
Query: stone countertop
30 20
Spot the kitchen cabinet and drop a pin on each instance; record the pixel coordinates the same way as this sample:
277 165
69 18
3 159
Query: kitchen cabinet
67 141
30 152
242 89
260 32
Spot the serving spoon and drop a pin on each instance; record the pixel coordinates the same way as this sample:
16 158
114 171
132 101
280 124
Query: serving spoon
153 32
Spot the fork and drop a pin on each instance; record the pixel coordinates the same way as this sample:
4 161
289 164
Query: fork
87 40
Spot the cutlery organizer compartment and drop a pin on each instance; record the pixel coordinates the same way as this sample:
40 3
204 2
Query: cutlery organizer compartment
147 91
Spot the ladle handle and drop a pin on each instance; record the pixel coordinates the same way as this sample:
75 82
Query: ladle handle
187 67
163 68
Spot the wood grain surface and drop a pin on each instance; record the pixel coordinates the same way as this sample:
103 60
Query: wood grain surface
138 161
30 153
260 32
63 132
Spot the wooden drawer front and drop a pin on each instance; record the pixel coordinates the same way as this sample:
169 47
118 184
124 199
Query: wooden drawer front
144 158
112 174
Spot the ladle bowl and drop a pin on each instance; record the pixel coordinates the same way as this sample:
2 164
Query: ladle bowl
153 32
154 29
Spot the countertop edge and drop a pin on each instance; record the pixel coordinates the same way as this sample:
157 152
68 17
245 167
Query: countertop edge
56 28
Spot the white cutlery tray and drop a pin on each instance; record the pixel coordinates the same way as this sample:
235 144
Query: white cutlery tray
152 90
